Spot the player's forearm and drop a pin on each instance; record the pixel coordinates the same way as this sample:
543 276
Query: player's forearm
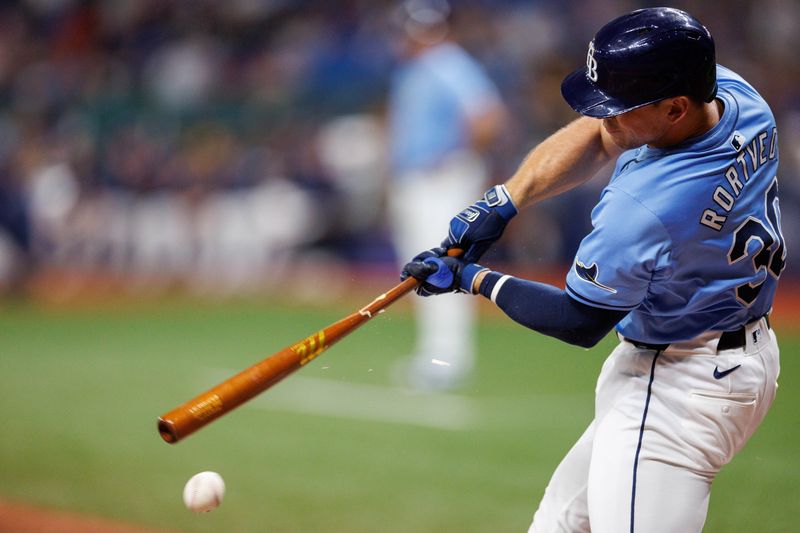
549 310
564 160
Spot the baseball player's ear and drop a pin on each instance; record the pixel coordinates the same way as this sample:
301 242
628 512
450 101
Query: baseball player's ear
677 108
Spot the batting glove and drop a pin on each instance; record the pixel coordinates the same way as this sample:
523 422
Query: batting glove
417 271
478 226
439 275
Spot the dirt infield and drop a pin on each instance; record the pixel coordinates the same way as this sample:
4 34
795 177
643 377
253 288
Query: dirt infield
25 518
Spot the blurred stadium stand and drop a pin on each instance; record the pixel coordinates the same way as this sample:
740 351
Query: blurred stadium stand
220 143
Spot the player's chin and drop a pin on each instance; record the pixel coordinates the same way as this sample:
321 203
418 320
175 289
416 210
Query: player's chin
624 138
609 124
623 141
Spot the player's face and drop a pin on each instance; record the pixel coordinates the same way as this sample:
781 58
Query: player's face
645 125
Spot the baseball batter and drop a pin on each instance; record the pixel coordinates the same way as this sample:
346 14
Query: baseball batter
683 260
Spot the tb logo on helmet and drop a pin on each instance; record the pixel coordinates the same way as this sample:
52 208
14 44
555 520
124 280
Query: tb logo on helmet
591 63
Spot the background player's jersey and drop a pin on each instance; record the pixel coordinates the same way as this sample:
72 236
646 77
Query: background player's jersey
431 100
688 238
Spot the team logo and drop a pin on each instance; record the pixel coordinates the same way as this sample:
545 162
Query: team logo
719 374
737 141
589 274
591 63
469 215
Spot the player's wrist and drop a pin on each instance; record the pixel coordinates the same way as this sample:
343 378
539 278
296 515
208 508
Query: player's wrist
469 275
501 201
477 281
490 283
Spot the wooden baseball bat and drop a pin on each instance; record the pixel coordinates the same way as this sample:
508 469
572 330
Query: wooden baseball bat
233 392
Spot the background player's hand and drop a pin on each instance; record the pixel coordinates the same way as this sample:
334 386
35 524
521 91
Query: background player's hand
439 275
478 226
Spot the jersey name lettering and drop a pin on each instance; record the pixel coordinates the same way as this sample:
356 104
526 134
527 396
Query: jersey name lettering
757 152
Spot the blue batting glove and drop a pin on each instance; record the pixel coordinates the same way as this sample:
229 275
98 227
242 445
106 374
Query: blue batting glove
439 275
478 226
442 277
423 267
433 252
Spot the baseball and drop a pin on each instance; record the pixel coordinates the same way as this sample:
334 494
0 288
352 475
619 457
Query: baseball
204 492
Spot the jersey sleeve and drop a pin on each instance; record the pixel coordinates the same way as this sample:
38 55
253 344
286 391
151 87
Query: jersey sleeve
618 260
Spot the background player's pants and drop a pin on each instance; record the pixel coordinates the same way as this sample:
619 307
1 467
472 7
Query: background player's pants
663 428
421 206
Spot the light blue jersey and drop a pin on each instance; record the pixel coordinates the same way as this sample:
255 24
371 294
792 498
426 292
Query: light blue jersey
431 100
688 238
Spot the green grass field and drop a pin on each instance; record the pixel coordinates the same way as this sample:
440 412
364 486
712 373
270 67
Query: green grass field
332 449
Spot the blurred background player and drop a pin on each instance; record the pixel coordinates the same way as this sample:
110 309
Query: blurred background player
443 113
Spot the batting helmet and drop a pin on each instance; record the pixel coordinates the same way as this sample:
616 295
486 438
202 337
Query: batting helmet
641 58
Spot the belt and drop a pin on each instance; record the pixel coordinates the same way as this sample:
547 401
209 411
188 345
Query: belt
728 340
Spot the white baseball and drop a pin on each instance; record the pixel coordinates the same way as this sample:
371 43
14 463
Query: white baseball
204 492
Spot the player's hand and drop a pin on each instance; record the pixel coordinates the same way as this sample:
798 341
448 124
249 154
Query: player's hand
439 275
416 268
478 226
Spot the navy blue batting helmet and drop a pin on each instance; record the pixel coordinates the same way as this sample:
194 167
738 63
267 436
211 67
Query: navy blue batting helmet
640 58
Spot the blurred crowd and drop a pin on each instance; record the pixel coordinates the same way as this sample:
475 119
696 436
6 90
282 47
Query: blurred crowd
214 142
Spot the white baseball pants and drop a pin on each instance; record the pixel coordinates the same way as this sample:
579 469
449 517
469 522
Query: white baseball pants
665 424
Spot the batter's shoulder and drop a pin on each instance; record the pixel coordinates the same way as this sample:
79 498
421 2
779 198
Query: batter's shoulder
745 93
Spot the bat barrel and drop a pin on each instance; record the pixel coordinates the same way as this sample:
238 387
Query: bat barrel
223 398
215 402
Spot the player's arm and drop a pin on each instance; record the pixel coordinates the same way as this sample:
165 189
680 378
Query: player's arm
548 310
569 157
537 306
566 159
